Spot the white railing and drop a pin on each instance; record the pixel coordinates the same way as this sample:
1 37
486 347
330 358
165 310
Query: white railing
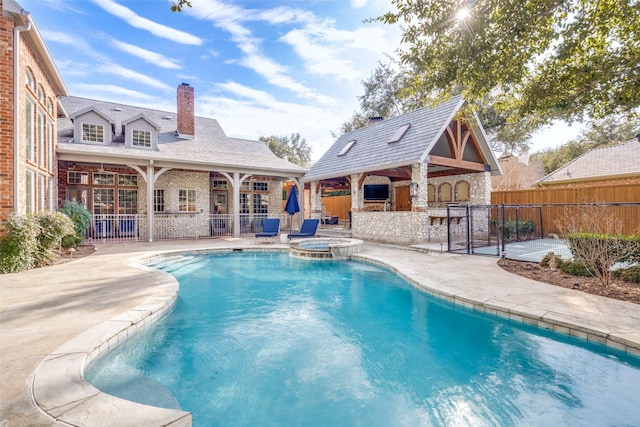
174 226
116 228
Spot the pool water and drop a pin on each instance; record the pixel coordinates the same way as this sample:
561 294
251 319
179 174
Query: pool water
265 339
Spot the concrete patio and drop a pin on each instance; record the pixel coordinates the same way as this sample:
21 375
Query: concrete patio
44 309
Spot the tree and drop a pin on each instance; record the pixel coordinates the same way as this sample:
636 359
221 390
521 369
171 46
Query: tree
294 149
540 59
610 130
177 6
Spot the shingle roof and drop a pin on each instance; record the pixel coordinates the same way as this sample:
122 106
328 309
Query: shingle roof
599 163
372 150
210 148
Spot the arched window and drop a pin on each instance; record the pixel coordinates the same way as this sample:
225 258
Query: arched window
444 193
40 94
29 80
431 193
49 106
462 191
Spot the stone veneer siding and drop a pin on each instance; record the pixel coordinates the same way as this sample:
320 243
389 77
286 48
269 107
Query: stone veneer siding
415 227
173 223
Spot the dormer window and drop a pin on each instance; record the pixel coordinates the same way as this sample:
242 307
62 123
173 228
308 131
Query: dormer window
140 132
92 132
141 138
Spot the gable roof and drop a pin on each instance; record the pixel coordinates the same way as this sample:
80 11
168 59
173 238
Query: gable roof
617 161
143 117
210 149
375 149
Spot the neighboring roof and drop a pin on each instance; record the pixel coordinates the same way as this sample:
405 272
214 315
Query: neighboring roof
12 9
373 150
616 161
211 149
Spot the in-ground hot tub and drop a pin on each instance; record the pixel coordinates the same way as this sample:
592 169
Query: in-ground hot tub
325 247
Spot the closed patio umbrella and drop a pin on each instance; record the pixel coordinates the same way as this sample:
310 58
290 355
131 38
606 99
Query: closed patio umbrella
292 206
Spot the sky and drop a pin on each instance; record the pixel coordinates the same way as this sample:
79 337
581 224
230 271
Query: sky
260 67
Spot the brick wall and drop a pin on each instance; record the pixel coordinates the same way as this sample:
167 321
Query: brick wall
6 116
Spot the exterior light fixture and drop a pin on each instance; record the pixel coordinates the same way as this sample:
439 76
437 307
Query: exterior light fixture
413 189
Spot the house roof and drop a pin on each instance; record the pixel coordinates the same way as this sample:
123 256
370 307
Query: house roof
211 149
374 151
616 161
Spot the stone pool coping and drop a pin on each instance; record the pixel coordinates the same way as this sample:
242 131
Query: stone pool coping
59 389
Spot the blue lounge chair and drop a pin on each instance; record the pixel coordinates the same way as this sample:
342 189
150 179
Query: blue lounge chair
271 228
308 229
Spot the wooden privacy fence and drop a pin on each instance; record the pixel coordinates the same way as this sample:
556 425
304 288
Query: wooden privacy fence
619 193
339 206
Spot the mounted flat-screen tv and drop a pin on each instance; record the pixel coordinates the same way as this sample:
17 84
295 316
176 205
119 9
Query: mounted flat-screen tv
376 192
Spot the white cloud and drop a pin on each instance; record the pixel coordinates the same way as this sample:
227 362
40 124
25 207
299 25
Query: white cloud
109 92
154 28
147 55
230 18
120 71
358 4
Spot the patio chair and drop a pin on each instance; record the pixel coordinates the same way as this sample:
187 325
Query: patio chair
308 229
271 228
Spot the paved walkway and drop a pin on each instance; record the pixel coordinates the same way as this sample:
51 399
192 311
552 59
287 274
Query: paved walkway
42 309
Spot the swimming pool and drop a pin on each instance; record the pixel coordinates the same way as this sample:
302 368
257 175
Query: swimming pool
266 339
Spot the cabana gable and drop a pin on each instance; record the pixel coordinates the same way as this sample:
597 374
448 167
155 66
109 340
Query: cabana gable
432 136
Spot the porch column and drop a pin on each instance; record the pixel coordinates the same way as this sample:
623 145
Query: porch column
151 185
315 200
419 177
236 179
356 196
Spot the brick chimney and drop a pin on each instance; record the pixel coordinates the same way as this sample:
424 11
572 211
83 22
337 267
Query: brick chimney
186 115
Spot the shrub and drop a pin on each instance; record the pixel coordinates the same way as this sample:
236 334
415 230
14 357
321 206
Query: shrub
629 274
576 268
513 228
18 246
81 220
53 226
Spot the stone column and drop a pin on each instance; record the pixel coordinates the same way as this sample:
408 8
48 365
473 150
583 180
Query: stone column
315 200
419 176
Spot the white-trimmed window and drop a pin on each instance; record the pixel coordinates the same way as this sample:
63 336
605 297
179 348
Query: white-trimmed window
92 132
158 200
40 92
74 177
29 190
29 80
260 203
260 186
51 193
127 180
219 184
187 200
127 201
40 137
103 201
50 167
141 138
41 192
102 178
49 106
28 134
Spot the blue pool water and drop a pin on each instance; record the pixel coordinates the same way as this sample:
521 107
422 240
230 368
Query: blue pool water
264 339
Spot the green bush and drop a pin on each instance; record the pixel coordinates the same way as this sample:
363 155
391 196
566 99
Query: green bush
18 247
81 220
629 274
576 268
53 227
30 240
625 248
513 228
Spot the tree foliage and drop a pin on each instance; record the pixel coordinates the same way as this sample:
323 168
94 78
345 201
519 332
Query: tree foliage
541 59
611 130
177 6
294 149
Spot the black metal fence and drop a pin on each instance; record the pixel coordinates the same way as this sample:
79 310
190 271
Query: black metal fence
529 232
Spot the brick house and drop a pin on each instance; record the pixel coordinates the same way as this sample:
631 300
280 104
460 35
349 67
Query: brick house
31 85
150 174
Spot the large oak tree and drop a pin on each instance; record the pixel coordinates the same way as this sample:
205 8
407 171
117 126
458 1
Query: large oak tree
539 59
